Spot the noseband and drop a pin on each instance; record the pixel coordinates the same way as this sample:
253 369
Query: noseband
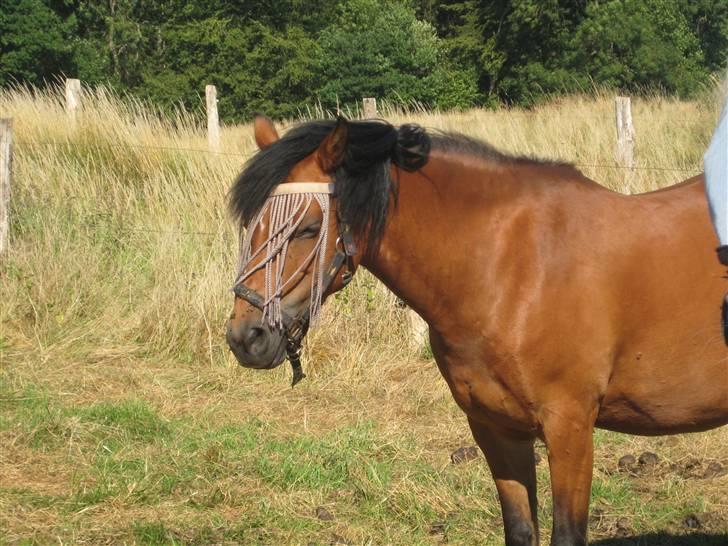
295 327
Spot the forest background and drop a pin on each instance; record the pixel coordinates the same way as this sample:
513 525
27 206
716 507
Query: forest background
281 56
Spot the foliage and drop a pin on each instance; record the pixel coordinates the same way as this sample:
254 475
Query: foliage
282 56
380 49
634 44
34 41
527 39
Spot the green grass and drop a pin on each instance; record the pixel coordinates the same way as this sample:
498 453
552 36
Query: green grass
127 420
134 458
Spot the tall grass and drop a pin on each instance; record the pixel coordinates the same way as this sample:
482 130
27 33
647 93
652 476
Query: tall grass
121 246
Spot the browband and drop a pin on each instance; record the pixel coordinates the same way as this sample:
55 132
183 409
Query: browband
303 187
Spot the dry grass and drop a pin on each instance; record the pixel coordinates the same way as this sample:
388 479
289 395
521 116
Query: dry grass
124 419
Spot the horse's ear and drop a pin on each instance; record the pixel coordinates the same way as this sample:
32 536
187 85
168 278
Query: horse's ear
265 131
330 153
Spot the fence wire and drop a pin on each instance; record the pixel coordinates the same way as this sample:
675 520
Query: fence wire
144 147
49 143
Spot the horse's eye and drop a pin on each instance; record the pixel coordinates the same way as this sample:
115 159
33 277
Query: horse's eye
308 232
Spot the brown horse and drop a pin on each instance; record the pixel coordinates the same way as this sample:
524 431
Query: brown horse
554 305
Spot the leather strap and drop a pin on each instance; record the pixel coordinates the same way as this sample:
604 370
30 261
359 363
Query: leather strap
303 187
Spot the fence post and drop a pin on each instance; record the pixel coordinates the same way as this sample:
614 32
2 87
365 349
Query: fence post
6 159
73 98
625 132
419 330
370 108
213 121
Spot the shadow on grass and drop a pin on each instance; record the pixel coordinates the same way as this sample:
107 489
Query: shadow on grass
666 539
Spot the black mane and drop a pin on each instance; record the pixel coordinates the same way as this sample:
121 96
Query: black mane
363 182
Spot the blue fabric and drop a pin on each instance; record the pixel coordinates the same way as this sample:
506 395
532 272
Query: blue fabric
716 177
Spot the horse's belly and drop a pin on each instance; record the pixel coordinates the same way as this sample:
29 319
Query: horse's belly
624 417
666 396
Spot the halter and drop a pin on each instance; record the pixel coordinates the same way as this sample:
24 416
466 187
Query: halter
287 205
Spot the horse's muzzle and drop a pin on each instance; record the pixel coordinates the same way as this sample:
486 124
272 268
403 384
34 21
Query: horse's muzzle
256 345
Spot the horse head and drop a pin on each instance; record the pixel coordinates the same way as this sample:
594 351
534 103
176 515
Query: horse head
311 204
295 252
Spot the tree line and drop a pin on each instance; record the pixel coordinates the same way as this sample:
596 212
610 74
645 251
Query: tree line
280 56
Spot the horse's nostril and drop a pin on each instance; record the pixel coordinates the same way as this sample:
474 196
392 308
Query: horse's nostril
254 345
255 340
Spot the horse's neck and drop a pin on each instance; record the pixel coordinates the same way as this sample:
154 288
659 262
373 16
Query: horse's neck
458 224
429 246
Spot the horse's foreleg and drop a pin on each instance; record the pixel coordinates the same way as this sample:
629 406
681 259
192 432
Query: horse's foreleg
568 437
511 461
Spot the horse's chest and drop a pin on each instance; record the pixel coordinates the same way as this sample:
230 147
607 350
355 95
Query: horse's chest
491 392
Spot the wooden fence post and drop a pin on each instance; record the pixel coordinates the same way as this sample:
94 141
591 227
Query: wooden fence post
370 108
213 121
73 98
419 330
625 132
6 159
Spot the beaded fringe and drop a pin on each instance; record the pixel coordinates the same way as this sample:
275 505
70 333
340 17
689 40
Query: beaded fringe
284 213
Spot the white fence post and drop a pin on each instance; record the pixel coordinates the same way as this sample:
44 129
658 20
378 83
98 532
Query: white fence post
6 159
625 132
213 121
370 108
419 330
73 98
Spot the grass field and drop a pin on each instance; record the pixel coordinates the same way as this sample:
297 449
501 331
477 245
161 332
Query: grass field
123 418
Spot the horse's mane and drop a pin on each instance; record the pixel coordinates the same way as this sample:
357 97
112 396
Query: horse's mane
364 182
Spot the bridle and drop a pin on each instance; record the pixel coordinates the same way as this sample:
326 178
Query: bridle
296 327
